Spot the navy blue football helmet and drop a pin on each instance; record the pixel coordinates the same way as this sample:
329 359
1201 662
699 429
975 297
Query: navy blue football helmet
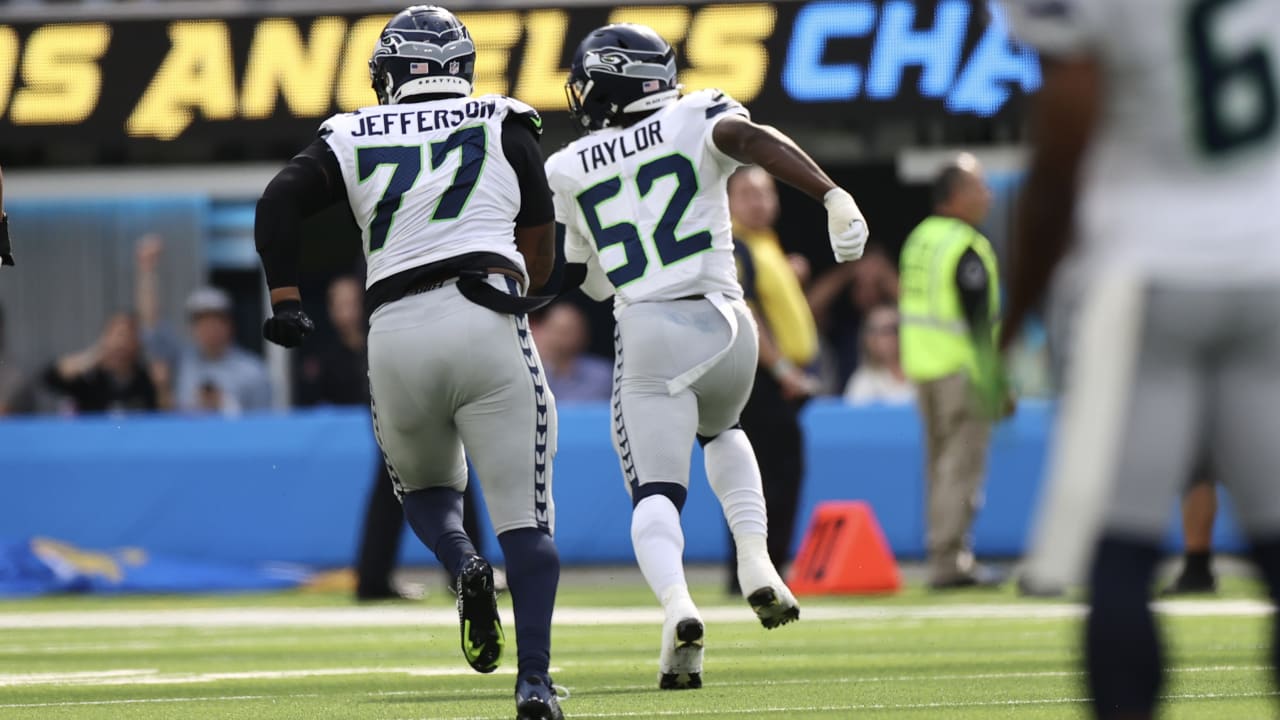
620 70
424 50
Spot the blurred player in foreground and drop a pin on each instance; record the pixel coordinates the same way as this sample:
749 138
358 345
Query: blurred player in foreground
456 217
1155 148
643 195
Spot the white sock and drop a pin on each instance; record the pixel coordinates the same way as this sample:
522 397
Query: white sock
752 548
734 475
659 544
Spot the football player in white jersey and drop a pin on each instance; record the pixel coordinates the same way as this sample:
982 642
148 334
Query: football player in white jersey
456 215
646 218
1156 169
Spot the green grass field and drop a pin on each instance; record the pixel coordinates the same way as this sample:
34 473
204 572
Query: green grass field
312 656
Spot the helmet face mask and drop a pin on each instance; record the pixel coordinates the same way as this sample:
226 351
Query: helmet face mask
617 71
424 50
575 92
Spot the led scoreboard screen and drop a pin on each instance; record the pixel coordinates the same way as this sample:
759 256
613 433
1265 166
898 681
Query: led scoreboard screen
122 85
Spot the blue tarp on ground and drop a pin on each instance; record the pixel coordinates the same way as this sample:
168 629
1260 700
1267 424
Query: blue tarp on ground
41 566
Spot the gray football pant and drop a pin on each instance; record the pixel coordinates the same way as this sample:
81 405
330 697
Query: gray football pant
447 374
1158 374
656 342
1207 376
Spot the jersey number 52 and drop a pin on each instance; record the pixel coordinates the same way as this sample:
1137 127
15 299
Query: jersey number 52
671 249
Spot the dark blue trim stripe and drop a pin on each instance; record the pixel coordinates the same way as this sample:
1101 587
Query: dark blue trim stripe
620 427
396 484
540 494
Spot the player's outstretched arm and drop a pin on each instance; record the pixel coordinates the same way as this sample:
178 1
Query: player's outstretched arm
781 157
1063 117
310 183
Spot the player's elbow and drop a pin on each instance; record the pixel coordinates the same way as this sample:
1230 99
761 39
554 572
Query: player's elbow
746 141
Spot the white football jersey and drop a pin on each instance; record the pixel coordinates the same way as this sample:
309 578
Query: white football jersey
1183 176
429 181
648 202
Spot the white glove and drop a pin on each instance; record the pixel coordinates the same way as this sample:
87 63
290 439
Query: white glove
846 225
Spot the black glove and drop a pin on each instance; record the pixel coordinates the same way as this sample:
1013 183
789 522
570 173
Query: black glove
289 325
6 250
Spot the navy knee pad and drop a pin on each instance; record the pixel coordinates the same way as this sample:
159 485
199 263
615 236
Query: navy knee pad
674 492
704 440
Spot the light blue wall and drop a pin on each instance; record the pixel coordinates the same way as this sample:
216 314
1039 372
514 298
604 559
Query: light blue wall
292 488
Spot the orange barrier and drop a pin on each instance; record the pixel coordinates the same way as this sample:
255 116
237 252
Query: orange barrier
844 553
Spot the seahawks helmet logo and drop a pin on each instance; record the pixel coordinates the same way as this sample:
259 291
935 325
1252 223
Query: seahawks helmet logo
609 62
614 61
440 47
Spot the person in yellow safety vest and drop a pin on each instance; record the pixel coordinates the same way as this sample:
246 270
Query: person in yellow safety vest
949 305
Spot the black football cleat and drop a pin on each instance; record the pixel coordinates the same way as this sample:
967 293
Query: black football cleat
536 699
771 610
482 637
681 662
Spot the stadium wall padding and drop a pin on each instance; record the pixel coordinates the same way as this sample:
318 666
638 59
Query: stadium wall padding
292 487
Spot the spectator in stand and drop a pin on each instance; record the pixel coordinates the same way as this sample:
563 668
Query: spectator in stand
109 376
561 335
879 378
841 298
338 372
210 373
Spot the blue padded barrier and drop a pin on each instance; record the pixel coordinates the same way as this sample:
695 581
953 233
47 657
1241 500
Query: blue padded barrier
292 487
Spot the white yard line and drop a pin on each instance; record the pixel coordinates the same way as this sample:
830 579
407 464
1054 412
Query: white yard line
582 616
152 676
145 701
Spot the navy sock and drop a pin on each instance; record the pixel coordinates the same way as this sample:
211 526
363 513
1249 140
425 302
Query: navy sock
1266 553
435 514
1122 650
533 573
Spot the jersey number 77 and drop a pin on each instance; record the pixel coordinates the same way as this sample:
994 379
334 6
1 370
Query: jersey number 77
470 142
